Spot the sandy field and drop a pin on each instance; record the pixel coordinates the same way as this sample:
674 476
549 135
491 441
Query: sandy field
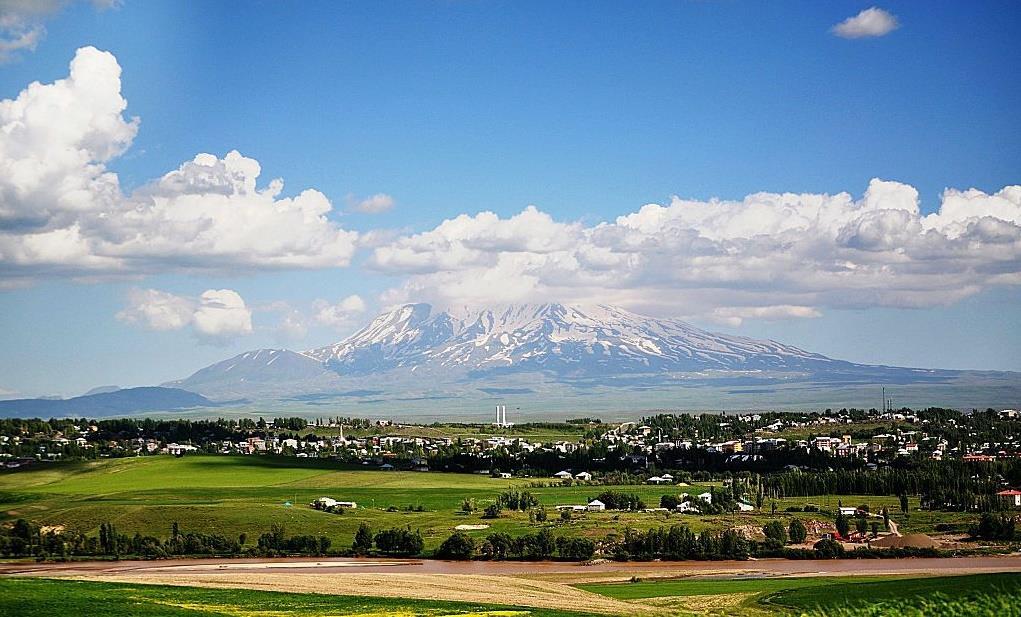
540 584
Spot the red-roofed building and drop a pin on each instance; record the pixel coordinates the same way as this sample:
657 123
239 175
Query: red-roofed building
1010 499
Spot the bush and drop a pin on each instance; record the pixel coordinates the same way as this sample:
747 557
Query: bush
399 541
576 549
498 545
775 531
797 531
828 549
993 527
458 546
618 500
363 540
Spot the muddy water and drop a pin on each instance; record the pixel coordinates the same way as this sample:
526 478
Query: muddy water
762 567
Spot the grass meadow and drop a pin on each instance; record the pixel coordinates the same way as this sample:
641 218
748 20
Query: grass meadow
246 494
864 595
45 598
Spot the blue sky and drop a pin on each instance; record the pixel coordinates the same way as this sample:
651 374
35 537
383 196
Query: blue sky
588 111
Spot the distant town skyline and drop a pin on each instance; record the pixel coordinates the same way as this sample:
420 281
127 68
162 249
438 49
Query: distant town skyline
179 183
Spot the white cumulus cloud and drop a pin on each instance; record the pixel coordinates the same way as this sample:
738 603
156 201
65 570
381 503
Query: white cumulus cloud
217 316
339 315
871 22
63 212
22 24
768 256
374 204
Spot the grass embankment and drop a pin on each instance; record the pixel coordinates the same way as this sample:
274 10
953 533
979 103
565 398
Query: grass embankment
246 494
45 598
856 595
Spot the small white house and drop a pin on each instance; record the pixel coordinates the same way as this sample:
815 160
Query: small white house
325 502
657 480
586 476
563 475
848 510
745 507
667 477
595 506
505 475
573 508
687 506
706 497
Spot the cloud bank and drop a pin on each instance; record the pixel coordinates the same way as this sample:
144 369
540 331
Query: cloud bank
768 256
218 316
62 211
870 23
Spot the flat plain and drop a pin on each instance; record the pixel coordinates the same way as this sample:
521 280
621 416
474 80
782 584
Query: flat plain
232 495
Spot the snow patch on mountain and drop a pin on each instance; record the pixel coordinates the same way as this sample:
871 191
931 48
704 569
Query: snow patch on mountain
566 340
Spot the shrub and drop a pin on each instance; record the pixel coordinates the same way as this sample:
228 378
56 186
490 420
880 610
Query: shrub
458 546
828 549
363 540
797 531
576 549
775 531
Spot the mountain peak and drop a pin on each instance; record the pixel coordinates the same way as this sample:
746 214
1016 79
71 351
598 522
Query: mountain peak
574 340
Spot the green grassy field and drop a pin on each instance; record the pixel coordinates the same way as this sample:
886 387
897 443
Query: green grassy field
824 595
246 494
233 495
45 598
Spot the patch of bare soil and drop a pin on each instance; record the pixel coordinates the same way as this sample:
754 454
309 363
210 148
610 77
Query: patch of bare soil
505 590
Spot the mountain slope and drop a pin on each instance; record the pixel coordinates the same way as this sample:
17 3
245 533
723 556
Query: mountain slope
572 357
121 402
263 372
567 341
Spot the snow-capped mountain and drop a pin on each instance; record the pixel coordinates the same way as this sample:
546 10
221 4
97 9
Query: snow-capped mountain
568 341
415 357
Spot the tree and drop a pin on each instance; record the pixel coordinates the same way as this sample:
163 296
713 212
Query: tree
458 546
776 532
501 544
797 531
669 502
904 503
492 511
828 549
886 518
861 525
468 506
363 540
576 549
843 525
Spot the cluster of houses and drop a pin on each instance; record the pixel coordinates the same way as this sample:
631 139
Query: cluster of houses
911 438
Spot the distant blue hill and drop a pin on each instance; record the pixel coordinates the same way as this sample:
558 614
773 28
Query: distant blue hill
117 403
